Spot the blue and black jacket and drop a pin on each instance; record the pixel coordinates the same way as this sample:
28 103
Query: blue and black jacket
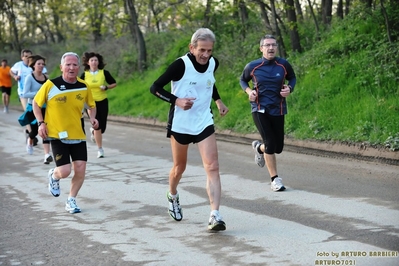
268 78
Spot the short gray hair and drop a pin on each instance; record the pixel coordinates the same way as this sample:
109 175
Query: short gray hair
203 34
267 36
69 53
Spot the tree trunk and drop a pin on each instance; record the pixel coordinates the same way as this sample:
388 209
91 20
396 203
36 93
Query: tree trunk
151 6
347 6
244 17
298 10
369 3
278 32
96 29
9 10
137 35
315 20
327 12
340 9
384 13
293 26
208 14
265 17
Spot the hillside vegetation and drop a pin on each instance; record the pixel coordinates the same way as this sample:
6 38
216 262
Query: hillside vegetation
347 83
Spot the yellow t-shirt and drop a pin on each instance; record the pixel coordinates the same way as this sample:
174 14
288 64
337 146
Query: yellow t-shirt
95 80
65 104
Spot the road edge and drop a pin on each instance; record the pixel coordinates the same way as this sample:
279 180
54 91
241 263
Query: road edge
320 148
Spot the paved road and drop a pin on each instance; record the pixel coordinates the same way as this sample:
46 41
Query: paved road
335 211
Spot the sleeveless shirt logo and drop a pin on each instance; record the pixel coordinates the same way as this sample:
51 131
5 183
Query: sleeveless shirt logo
208 84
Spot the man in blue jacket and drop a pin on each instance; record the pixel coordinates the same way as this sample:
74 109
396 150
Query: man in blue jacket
273 80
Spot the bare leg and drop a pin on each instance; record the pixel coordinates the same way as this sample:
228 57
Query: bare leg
179 153
61 172
30 141
98 136
79 168
4 98
209 155
7 100
46 148
24 102
271 164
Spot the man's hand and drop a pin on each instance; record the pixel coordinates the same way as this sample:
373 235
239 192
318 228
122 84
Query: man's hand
223 110
43 133
185 103
285 91
252 96
94 123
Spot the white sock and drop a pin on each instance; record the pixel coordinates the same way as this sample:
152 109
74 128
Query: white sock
173 196
53 177
215 213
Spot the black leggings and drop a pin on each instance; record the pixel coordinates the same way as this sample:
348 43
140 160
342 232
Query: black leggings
35 128
271 129
102 114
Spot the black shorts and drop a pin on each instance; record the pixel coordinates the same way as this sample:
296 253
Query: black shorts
186 139
6 90
63 153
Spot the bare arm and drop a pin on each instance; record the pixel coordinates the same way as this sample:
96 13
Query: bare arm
37 111
92 115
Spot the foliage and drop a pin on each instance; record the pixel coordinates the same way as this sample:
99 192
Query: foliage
347 75
347 87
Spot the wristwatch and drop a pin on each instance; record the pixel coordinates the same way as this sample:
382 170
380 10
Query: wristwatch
39 123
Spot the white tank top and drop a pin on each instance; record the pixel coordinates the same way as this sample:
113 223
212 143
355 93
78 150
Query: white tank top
199 86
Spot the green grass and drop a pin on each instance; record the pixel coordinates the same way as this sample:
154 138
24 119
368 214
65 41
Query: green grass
347 84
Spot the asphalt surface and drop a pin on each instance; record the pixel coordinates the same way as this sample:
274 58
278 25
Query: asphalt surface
338 208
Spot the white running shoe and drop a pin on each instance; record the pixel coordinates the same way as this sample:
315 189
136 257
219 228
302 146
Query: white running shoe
174 210
48 158
92 135
277 184
53 184
216 223
100 153
71 206
29 148
259 158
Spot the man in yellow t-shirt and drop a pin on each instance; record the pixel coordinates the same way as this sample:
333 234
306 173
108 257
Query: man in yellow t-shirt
5 83
65 98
